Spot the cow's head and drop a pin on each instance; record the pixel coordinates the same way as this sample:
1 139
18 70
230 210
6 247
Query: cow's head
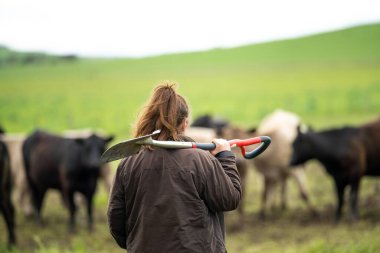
301 147
211 122
203 121
92 149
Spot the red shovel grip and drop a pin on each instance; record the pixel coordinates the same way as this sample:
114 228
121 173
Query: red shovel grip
246 142
264 140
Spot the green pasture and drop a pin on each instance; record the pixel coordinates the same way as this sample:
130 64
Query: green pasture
330 80
291 231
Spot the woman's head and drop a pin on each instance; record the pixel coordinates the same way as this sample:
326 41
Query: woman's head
166 110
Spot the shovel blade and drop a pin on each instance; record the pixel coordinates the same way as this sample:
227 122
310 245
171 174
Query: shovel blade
125 148
119 151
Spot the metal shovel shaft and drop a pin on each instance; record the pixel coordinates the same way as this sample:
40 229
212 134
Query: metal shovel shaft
133 146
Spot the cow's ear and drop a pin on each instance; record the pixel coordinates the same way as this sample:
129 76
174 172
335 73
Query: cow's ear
301 128
110 138
79 140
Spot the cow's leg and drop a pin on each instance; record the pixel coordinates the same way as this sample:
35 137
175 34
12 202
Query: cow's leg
284 201
107 176
340 186
300 178
266 195
38 197
72 209
7 209
24 198
354 192
25 202
89 199
243 171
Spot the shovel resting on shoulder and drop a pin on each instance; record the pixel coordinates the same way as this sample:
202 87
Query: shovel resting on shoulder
133 146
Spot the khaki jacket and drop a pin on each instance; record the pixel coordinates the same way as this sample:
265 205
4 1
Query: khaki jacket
172 200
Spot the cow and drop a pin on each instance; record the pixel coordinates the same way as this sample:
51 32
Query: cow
234 132
69 165
21 193
200 134
347 153
208 121
6 206
105 171
273 164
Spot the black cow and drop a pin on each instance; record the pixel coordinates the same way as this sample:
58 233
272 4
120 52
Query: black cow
211 122
6 206
69 165
347 154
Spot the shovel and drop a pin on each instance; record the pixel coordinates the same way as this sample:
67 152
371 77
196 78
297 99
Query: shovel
133 146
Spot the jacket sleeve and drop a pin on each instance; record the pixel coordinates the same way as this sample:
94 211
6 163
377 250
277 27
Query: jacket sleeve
117 209
222 190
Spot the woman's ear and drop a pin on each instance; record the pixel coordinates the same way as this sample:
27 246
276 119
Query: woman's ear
184 125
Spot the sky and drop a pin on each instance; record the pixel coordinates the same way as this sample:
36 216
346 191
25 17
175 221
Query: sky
138 28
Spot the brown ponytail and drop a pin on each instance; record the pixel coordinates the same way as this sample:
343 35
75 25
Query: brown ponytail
165 110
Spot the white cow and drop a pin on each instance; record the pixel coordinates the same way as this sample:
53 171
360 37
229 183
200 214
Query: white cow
273 164
20 189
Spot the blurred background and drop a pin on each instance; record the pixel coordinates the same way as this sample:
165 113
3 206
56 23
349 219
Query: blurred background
89 66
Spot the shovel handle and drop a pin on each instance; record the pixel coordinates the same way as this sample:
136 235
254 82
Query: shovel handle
130 147
264 140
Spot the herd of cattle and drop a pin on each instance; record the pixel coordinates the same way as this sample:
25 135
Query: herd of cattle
71 163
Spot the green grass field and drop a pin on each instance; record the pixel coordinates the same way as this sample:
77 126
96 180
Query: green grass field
294 230
330 80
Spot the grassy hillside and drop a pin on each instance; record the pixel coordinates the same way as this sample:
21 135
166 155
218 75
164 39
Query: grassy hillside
11 57
329 79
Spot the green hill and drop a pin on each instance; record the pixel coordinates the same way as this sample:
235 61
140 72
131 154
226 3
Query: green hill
329 79
11 57
353 44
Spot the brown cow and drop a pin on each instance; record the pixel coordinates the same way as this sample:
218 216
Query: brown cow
242 164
